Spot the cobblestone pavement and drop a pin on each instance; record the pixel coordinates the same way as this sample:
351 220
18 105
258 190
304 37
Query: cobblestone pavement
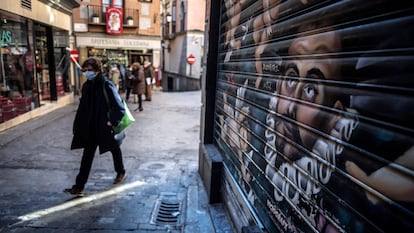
163 191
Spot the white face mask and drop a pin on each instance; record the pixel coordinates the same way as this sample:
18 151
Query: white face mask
90 75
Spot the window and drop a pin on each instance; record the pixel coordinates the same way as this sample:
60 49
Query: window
182 17
107 3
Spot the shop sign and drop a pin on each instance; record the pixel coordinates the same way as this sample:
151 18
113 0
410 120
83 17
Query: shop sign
5 37
109 42
114 18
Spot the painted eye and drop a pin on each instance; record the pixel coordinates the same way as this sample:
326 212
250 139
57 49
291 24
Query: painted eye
291 72
290 86
310 92
292 83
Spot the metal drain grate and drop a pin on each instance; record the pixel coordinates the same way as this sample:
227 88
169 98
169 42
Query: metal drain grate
167 212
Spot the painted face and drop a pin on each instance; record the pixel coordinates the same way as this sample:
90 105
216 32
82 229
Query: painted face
303 93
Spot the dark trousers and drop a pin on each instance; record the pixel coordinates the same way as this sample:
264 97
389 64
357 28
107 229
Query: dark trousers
86 164
139 101
128 92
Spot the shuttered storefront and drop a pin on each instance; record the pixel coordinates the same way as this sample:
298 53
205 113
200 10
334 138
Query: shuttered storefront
314 113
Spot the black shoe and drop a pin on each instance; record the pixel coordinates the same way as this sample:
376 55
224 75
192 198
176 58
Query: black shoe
75 191
120 177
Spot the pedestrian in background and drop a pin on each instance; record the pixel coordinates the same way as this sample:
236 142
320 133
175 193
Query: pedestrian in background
138 87
115 75
122 73
149 77
134 80
92 128
128 82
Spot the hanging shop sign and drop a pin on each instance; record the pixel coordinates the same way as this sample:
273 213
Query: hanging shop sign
114 18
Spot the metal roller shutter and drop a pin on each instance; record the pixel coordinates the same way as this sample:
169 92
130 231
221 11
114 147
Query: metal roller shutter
314 112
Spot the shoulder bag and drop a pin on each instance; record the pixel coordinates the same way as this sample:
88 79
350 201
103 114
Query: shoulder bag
126 120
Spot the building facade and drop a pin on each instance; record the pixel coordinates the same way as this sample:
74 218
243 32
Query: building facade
35 42
182 44
118 32
307 115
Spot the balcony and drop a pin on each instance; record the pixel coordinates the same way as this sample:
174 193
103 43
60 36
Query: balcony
98 17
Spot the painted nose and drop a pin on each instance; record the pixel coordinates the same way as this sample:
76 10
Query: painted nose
291 109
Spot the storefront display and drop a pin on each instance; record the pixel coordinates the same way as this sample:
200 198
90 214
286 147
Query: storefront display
18 94
119 58
34 64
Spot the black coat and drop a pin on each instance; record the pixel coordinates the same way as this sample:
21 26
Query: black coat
90 124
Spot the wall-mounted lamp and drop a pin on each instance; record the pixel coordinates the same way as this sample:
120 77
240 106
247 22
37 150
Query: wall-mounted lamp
169 17
164 46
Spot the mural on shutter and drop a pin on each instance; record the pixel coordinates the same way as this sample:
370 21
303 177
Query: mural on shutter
315 112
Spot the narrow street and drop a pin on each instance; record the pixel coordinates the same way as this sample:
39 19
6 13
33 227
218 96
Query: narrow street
161 157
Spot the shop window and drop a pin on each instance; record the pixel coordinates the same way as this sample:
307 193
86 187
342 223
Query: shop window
62 62
17 89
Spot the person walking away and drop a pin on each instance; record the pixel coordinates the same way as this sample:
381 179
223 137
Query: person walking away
122 72
149 76
139 84
92 128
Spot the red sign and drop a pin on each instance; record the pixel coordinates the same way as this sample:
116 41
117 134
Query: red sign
114 18
191 59
74 55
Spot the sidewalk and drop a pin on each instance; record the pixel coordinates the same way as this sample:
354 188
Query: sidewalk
163 191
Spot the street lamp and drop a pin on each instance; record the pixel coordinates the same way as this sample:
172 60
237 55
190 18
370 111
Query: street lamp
169 17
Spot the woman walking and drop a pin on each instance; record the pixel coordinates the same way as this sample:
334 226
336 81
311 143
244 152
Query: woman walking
138 87
92 127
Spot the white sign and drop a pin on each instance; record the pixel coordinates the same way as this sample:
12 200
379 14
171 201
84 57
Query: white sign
126 43
144 23
80 27
145 9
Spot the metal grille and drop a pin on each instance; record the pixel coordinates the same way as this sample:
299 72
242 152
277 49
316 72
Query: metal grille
27 4
167 212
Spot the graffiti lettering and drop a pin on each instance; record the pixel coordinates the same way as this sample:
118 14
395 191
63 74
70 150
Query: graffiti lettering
280 217
269 152
273 68
305 174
